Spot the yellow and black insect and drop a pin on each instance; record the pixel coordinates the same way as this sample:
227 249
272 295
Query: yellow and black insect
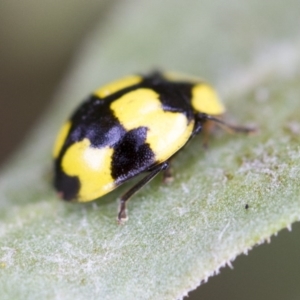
128 127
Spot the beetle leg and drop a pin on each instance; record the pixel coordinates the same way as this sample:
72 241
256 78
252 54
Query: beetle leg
208 128
122 215
198 126
168 175
202 118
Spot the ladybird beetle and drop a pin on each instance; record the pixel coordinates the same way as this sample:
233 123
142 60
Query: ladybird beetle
128 127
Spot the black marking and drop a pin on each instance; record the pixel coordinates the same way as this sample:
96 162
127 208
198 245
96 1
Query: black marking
67 186
174 96
132 155
96 122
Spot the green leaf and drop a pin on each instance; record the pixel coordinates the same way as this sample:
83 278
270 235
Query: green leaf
177 235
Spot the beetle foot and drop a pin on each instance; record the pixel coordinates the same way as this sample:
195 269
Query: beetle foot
122 215
168 176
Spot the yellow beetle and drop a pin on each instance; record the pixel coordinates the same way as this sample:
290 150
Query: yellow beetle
128 127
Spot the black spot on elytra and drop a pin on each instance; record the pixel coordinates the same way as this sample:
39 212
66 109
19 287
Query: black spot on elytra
96 122
174 96
131 155
67 186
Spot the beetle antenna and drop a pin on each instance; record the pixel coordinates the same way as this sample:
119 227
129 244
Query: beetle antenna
232 128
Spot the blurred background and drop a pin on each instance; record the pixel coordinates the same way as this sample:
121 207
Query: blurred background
38 41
